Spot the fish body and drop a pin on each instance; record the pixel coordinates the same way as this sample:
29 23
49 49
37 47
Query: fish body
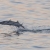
17 24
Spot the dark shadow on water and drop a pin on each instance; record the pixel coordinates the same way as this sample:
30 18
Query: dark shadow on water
27 39
6 35
8 15
38 47
36 31
15 2
48 8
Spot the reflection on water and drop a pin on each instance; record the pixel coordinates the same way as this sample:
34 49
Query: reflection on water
26 41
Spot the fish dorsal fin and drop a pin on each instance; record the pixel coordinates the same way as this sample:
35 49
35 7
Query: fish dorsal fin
18 22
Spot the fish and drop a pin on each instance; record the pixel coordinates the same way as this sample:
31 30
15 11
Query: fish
17 24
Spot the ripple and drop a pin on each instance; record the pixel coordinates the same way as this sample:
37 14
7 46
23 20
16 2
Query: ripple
38 47
15 2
